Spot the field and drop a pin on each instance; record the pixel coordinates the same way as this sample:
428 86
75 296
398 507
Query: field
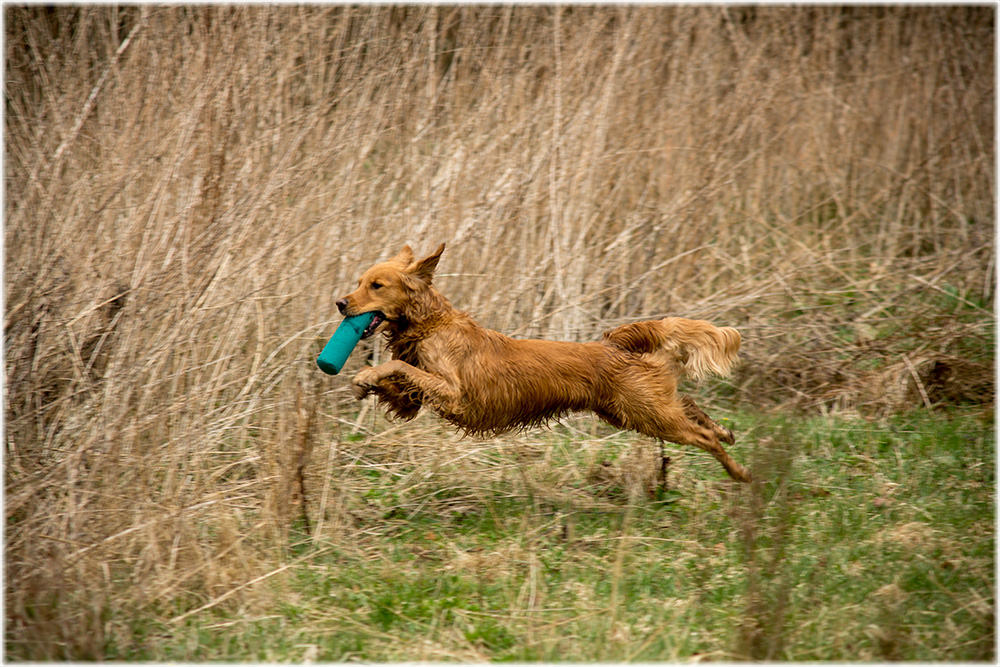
189 189
865 543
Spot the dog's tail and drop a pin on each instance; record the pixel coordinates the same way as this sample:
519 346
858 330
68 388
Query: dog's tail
693 347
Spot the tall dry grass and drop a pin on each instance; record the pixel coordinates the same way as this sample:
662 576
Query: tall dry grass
189 189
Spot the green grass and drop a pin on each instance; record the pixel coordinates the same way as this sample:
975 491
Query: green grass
865 542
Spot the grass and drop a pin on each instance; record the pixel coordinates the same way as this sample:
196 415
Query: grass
867 541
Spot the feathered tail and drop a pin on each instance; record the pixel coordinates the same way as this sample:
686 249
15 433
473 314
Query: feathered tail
694 347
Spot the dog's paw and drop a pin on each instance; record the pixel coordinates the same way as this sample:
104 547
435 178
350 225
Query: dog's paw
364 382
724 435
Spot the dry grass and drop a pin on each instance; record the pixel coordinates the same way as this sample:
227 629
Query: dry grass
189 189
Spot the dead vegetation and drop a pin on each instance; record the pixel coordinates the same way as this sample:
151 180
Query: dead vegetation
189 189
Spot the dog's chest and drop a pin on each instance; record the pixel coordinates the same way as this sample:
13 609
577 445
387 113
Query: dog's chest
410 351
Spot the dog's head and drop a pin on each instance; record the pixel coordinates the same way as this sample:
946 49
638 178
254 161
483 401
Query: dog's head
391 290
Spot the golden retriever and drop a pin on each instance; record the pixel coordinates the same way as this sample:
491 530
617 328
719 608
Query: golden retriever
487 383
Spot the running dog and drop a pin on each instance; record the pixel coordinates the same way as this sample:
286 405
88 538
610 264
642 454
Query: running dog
486 383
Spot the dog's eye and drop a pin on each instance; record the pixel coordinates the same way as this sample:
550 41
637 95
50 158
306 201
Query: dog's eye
376 285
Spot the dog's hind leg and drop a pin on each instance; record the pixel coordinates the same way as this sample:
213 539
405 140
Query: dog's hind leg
673 424
707 440
664 463
697 415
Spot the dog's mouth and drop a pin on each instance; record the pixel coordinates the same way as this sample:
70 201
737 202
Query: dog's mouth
378 319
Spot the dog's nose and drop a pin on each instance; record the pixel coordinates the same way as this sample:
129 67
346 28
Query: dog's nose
342 305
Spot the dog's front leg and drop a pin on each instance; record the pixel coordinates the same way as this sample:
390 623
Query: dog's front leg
439 392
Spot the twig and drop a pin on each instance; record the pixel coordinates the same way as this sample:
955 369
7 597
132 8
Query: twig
916 380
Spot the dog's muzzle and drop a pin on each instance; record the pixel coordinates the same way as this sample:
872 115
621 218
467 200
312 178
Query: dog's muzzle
379 318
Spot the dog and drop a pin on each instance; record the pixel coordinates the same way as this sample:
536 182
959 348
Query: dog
487 383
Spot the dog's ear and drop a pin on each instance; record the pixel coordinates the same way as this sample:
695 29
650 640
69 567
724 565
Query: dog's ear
424 269
405 256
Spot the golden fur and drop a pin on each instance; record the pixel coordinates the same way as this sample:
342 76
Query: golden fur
484 382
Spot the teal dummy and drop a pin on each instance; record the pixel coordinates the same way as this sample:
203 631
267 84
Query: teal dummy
345 338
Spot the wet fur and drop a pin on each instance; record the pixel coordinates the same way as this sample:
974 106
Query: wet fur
486 383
